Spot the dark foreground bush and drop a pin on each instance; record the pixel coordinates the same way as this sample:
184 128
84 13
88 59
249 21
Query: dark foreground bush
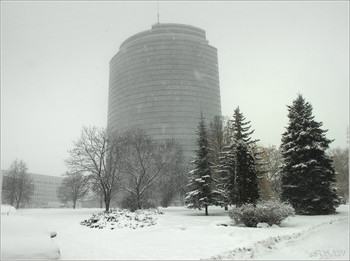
267 211
130 202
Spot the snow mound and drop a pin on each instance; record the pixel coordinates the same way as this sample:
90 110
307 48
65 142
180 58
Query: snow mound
122 218
25 238
262 225
7 209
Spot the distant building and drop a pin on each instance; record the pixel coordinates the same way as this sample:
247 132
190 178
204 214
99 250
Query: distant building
45 191
161 80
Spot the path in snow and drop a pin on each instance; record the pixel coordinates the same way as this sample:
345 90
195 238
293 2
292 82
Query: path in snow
313 240
325 243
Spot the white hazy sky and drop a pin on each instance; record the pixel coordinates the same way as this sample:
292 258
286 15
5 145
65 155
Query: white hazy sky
55 65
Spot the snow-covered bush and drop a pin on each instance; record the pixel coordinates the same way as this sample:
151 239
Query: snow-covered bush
273 211
122 218
266 211
244 215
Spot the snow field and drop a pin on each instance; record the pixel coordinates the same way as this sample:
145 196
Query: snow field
187 234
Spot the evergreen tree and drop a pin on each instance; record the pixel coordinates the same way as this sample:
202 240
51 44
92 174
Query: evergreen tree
224 168
307 172
245 161
201 184
226 177
246 178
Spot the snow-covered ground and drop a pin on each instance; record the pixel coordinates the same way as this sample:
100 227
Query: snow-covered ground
182 233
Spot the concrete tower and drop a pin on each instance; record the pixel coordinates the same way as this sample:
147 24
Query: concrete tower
160 81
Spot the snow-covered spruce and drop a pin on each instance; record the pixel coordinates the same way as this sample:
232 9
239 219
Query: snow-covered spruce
246 189
308 176
122 218
202 191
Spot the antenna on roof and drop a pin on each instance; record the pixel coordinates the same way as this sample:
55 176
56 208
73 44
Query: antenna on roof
158 12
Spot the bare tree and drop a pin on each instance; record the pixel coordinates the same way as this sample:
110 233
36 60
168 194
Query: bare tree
18 187
340 159
73 187
144 163
97 154
171 182
216 138
98 193
272 158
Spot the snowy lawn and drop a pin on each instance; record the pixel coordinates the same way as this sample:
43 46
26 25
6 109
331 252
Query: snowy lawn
182 233
23 237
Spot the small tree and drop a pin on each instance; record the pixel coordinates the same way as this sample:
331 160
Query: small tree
18 187
246 183
97 155
216 138
201 185
273 158
73 187
219 139
225 172
144 163
307 173
340 159
170 184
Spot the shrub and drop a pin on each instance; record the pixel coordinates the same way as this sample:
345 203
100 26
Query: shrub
274 212
130 202
266 211
123 218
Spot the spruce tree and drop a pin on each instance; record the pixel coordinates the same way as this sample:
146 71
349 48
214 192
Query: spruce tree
201 183
226 176
307 172
245 161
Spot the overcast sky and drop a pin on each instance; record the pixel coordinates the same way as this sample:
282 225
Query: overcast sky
55 66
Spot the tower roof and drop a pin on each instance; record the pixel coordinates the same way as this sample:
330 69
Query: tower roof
168 29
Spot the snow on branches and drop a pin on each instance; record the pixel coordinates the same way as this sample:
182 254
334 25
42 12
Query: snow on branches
307 173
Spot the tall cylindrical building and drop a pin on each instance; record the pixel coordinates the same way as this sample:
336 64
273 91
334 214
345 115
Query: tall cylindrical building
161 80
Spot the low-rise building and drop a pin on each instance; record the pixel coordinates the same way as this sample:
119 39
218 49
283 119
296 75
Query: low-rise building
45 191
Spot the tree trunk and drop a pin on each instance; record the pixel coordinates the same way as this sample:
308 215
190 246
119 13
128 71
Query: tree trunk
206 210
12 200
101 201
138 199
107 202
74 202
139 205
226 207
19 198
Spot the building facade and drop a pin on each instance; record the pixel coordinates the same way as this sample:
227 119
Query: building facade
45 192
161 80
